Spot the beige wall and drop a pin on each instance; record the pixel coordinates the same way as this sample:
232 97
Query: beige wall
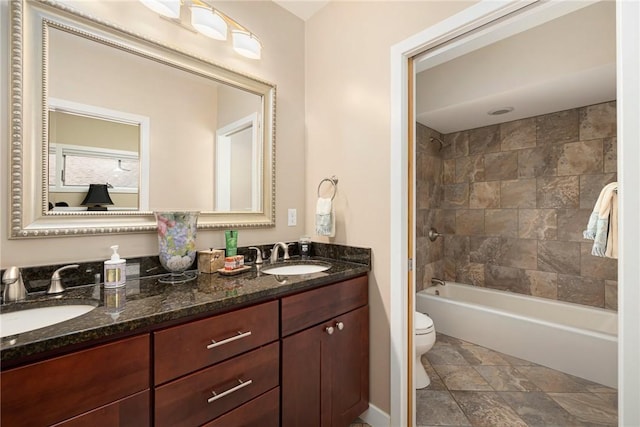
282 62
348 133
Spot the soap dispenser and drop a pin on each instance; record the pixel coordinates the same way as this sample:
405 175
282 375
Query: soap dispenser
115 270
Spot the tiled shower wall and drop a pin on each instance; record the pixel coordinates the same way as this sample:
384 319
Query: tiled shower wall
429 196
513 199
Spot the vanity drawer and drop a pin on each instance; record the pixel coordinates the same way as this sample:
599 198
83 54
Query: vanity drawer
263 411
188 401
60 388
186 348
133 411
309 308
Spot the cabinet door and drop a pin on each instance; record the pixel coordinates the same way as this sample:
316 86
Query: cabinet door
301 378
348 355
325 376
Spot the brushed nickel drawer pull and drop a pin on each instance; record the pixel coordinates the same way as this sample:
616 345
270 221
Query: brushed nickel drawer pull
217 396
340 326
215 343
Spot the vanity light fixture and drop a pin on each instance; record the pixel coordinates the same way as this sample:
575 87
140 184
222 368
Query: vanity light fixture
208 21
168 8
246 44
201 17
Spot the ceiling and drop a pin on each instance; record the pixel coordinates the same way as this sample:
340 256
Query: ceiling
568 61
302 9
564 63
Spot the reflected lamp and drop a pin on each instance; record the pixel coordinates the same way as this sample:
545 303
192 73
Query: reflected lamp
97 196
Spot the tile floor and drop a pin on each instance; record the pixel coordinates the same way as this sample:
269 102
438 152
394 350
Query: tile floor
476 386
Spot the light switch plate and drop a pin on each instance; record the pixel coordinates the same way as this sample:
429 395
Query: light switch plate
292 217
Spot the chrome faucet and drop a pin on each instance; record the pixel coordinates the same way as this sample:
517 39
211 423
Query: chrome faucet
258 255
56 282
274 252
436 281
14 289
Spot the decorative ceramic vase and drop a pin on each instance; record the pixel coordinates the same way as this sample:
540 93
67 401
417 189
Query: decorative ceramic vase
177 241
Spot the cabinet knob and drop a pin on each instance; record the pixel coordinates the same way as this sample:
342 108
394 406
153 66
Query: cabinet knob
340 326
329 330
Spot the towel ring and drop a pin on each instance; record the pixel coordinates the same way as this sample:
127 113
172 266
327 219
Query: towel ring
334 181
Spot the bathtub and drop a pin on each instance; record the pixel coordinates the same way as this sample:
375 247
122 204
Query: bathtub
571 338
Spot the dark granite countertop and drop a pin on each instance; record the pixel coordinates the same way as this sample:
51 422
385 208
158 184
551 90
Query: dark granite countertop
144 304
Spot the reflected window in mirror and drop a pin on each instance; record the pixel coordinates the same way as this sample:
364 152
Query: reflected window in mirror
89 144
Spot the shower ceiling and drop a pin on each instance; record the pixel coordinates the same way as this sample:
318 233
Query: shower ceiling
564 63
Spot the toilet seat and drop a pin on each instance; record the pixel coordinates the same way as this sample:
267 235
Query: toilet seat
423 323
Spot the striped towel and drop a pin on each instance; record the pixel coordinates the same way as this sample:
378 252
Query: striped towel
598 226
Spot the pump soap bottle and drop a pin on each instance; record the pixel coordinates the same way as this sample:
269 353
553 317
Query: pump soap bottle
115 270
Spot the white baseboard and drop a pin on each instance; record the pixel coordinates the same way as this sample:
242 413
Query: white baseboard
376 417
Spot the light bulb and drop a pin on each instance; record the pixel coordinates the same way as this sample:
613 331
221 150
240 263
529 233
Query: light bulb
246 44
168 8
208 22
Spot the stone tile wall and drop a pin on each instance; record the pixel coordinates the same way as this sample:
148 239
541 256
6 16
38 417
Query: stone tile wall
515 199
429 195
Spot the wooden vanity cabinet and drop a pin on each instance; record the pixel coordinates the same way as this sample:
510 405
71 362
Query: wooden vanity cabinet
302 360
325 374
77 388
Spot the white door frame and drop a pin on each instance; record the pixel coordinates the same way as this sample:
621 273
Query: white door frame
223 162
440 37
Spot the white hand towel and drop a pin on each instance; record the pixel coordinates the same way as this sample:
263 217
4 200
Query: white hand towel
325 218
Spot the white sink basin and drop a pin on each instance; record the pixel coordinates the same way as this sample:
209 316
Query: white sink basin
296 269
17 322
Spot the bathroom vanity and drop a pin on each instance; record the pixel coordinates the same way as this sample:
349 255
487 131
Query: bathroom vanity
253 349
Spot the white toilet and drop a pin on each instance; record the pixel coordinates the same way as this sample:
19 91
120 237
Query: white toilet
424 338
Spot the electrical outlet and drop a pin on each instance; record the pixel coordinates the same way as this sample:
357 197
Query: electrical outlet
292 217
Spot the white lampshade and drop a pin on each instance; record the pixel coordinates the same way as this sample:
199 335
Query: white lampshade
208 22
168 8
246 44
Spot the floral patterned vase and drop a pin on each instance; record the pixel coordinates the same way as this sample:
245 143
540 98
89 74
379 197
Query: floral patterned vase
177 241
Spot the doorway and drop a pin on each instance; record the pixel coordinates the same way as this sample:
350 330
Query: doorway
478 25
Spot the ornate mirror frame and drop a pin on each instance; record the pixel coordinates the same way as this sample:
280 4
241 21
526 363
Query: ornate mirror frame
30 20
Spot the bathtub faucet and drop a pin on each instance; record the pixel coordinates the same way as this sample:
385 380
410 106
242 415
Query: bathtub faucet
436 281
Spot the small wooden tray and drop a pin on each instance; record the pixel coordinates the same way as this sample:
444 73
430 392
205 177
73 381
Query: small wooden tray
234 271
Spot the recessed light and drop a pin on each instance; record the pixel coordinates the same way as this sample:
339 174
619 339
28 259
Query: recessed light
500 111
